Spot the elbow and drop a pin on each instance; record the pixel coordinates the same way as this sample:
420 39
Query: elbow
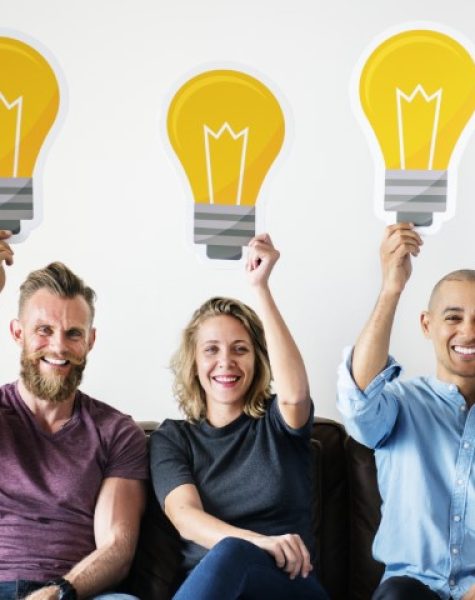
296 397
178 519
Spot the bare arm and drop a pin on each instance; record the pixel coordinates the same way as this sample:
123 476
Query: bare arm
470 595
288 369
6 255
184 509
116 527
370 354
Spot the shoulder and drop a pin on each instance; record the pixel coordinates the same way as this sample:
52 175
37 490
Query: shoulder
100 411
410 389
171 431
108 421
7 395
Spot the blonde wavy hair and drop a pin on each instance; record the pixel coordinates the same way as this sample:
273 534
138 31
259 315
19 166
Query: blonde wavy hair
187 388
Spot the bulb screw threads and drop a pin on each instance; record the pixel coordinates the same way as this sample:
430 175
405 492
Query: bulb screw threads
415 194
224 229
16 202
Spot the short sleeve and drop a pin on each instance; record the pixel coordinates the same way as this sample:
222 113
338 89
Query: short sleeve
128 452
169 459
278 421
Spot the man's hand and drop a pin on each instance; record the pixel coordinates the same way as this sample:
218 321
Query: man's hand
470 595
261 259
6 255
289 551
399 243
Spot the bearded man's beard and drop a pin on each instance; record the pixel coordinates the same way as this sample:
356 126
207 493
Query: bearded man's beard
53 387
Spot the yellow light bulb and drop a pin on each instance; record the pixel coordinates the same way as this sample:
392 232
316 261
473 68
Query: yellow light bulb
29 101
417 90
226 128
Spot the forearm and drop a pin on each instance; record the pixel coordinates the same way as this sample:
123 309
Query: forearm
103 568
198 526
288 369
371 351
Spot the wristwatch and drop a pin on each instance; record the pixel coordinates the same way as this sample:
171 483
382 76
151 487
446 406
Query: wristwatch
66 589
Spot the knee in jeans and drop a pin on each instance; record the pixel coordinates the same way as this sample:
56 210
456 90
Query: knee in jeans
233 548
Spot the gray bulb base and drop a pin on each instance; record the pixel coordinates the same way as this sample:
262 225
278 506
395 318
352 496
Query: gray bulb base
16 202
224 229
415 195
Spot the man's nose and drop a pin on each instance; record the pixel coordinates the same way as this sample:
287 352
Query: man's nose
468 329
58 342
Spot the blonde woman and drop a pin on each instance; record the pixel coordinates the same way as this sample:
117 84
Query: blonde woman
234 476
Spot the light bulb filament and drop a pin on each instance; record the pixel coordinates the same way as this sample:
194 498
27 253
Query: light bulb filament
225 159
417 119
15 131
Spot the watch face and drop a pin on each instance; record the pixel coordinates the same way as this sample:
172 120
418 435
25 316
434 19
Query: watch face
67 592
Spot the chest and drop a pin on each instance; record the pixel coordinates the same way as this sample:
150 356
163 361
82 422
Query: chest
252 472
42 473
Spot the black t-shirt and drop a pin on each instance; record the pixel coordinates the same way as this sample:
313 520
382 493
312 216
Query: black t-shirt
252 473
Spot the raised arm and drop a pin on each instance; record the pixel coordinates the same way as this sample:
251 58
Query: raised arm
370 354
119 508
6 255
288 369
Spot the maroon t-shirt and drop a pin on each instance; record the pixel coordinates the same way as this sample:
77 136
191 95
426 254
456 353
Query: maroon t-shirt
49 483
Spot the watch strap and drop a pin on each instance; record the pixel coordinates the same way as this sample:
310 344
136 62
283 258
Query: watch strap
67 591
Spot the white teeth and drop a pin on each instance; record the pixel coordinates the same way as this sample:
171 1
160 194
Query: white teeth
224 379
465 349
55 361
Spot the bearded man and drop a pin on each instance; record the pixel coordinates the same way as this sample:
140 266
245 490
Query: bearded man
73 468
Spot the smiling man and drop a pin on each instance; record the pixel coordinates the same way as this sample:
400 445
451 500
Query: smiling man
422 430
72 468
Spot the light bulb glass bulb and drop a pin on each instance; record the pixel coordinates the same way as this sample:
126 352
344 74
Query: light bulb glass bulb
226 128
417 90
29 102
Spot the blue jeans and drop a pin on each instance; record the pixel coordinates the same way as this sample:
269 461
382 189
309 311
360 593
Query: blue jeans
14 590
236 569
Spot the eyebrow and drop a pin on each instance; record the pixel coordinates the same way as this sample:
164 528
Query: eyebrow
452 309
219 342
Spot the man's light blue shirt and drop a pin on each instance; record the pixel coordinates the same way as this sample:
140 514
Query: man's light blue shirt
424 441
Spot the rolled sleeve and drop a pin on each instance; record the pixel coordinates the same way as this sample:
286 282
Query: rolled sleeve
369 415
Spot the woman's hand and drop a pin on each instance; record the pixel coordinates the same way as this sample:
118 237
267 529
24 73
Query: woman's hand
289 551
261 259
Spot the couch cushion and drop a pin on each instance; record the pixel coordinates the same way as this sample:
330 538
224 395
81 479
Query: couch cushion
365 515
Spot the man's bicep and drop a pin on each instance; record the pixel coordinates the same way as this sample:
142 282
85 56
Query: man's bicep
118 511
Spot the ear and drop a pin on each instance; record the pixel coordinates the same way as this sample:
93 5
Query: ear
16 331
425 323
92 338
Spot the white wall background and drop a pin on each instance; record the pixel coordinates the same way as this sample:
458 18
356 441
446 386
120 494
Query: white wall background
121 59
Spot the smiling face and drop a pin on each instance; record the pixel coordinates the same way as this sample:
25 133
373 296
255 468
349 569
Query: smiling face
224 361
55 335
450 324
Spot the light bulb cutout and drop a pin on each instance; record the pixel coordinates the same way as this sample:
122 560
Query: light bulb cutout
29 103
226 128
417 90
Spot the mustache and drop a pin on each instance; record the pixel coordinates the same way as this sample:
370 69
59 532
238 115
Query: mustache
69 356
